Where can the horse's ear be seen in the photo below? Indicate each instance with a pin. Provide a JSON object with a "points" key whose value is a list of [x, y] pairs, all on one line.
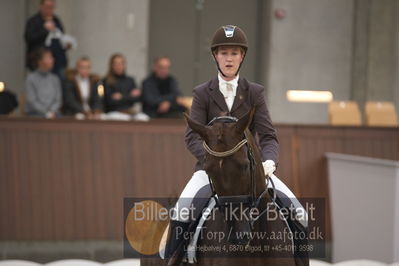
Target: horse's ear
{"points": [[245, 121], [196, 127]]}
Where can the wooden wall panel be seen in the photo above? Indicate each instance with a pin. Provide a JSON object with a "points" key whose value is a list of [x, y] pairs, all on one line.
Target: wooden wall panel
{"points": [[66, 179]]}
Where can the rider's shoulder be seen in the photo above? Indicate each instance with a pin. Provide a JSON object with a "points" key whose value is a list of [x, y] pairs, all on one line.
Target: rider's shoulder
{"points": [[201, 88], [255, 87]]}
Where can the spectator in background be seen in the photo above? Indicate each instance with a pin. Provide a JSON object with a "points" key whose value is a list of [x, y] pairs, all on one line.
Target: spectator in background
{"points": [[80, 91], [43, 88], [8, 100], [121, 92], [160, 92], [45, 30]]}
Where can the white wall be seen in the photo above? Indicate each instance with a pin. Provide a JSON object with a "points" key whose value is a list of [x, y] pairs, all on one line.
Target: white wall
{"points": [[12, 49], [309, 49], [101, 28], [396, 92], [363, 227]]}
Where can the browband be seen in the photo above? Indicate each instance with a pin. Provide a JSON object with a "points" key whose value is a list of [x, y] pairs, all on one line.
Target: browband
{"points": [[223, 119]]}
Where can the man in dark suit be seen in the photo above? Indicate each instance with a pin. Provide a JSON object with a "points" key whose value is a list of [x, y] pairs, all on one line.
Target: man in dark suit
{"points": [[161, 94], [45, 30], [228, 94]]}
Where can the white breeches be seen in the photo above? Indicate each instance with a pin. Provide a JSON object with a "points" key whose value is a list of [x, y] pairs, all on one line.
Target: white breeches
{"points": [[199, 183]]}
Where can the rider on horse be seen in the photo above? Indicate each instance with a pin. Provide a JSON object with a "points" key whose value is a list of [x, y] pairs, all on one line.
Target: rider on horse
{"points": [[228, 94]]}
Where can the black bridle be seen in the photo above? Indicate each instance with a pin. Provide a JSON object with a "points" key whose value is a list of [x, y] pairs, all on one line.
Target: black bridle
{"points": [[249, 199]]}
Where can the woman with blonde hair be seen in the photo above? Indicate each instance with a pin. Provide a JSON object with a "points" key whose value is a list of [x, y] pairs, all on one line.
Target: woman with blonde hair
{"points": [[121, 92], [230, 96]]}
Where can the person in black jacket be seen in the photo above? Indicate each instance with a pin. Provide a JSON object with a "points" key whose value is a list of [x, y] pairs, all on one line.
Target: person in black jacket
{"points": [[8, 100], [80, 93], [121, 92], [38, 32], [161, 94]]}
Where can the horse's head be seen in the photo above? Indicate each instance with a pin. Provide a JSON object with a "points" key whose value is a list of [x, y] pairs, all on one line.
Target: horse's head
{"points": [[229, 174], [227, 163]]}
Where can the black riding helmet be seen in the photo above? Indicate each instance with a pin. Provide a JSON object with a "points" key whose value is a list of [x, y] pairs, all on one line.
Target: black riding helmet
{"points": [[229, 35]]}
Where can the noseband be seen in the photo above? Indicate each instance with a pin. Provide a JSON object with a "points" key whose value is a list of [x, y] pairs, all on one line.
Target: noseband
{"points": [[224, 119], [224, 153]]}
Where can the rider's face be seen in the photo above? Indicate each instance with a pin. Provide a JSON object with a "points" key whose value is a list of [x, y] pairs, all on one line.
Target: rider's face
{"points": [[229, 59]]}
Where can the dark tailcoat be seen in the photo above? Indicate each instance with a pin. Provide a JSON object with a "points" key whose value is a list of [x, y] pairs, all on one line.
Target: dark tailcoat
{"points": [[209, 102]]}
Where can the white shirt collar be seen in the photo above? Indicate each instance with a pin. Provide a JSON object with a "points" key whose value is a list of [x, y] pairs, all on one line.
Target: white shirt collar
{"points": [[80, 79], [233, 82]]}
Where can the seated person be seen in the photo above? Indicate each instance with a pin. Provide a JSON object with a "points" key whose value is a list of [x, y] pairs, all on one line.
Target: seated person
{"points": [[43, 88], [8, 100], [161, 93], [80, 91], [121, 92]]}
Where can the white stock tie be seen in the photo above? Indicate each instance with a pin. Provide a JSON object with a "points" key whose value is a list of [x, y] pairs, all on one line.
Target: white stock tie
{"points": [[229, 89], [229, 97]]}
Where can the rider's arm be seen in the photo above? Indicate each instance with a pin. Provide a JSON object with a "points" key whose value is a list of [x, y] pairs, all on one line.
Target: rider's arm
{"points": [[198, 113], [262, 124]]}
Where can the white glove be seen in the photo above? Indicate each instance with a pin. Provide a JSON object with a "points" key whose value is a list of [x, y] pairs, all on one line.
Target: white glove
{"points": [[269, 167], [68, 39]]}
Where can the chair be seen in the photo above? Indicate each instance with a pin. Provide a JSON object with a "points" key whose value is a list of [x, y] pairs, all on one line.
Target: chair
{"points": [[381, 114], [186, 101], [344, 113]]}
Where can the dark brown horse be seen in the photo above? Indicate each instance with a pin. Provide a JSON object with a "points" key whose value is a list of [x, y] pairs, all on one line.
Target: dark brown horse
{"points": [[253, 235]]}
